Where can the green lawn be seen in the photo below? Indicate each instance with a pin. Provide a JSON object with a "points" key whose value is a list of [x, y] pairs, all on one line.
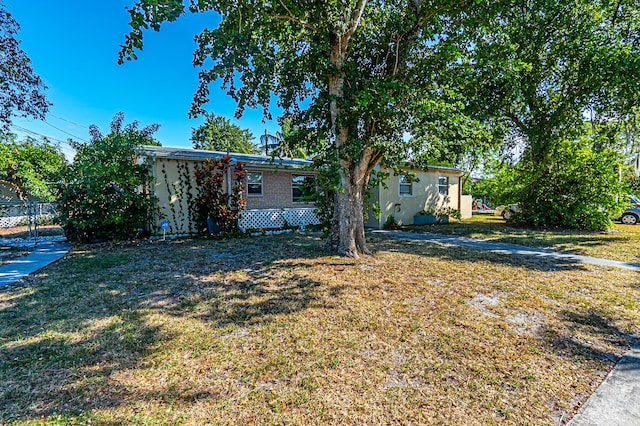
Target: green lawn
{"points": [[620, 243], [271, 330]]}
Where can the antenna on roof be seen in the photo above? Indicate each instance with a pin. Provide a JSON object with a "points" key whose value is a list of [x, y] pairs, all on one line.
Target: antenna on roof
{"points": [[269, 141]]}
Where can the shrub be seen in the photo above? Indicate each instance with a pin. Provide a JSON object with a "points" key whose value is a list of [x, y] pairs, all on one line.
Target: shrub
{"points": [[32, 167], [441, 212], [105, 194], [578, 187], [390, 223]]}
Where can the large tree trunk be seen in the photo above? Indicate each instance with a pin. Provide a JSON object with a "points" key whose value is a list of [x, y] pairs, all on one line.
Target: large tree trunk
{"points": [[346, 235], [349, 209]]}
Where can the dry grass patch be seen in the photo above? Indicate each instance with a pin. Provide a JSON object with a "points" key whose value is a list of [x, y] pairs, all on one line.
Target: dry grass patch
{"points": [[620, 243], [272, 331]]}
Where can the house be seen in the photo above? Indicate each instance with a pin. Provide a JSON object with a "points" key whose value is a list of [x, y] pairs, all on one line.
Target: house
{"points": [[273, 190], [435, 188]]}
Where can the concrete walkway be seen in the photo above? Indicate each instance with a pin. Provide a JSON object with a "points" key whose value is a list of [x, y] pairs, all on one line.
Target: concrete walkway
{"points": [[616, 402], [506, 248], [43, 255]]}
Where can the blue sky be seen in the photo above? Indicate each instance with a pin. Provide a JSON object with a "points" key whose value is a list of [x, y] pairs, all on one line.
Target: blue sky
{"points": [[74, 46]]}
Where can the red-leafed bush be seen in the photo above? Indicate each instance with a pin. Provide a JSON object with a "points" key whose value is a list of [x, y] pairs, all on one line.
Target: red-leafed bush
{"points": [[215, 201]]}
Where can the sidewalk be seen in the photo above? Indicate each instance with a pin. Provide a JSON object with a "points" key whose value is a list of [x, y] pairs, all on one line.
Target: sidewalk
{"points": [[616, 402], [44, 254]]}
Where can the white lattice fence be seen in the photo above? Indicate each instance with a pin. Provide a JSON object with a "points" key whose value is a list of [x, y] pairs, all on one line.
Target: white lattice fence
{"points": [[277, 218]]}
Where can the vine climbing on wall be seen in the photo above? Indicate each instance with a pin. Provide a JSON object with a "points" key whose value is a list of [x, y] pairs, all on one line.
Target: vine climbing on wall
{"points": [[186, 180], [172, 207]]}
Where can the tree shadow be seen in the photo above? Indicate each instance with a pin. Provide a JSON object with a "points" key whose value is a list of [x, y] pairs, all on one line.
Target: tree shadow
{"points": [[529, 237], [91, 315], [579, 332], [455, 253]]}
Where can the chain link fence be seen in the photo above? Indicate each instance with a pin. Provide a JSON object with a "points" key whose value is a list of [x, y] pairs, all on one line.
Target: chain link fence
{"points": [[30, 213]]}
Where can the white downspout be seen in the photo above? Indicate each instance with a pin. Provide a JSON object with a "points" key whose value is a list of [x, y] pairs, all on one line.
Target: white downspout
{"points": [[231, 163]]}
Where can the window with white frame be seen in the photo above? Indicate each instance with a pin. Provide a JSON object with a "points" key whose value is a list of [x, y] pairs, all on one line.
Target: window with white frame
{"points": [[254, 184], [443, 185], [298, 185], [405, 186]]}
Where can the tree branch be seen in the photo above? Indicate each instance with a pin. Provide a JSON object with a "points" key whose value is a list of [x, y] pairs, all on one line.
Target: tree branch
{"points": [[354, 22], [298, 21], [513, 117]]}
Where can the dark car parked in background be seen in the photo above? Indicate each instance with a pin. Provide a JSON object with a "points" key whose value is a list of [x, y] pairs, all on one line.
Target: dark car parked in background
{"points": [[631, 215]]}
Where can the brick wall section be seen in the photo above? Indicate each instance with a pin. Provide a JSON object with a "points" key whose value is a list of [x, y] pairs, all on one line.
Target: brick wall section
{"points": [[276, 191]]}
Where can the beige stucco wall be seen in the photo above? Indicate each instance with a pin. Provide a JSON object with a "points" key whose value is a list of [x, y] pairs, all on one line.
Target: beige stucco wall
{"points": [[425, 195], [175, 186]]}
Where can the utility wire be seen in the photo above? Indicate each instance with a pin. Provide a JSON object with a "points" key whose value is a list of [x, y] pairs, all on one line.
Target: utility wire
{"points": [[63, 131], [68, 121], [32, 133]]}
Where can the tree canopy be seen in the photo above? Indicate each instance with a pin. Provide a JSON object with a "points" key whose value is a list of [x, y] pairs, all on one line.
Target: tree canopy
{"points": [[21, 89], [357, 75], [542, 67], [541, 64], [32, 166], [219, 134], [399, 82]]}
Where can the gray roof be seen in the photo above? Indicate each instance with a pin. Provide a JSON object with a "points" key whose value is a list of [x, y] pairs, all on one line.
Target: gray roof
{"points": [[445, 169], [177, 153]]}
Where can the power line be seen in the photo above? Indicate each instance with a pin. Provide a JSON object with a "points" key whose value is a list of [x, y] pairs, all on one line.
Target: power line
{"points": [[32, 133], [68, 121], [63, 131]]}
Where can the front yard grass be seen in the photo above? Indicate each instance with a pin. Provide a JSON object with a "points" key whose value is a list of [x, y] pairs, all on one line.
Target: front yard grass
{"points": [[271, 330], [620, 243]]}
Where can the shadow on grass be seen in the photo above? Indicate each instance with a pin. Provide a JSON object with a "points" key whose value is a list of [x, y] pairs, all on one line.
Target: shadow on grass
{"points": [[580, 335], [456, 253], [498, 231], [575, 341], [90, 315]]}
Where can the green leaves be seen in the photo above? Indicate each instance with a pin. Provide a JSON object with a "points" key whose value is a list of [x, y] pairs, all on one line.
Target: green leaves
{"points": [[576, 187], [33, 166], [22, 90], [105, 193], [218, 134]]}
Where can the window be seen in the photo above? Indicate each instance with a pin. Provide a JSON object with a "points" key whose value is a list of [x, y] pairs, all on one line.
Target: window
{"points": [[405, 186], [254, 184], [298, 185], [443, 185]]}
